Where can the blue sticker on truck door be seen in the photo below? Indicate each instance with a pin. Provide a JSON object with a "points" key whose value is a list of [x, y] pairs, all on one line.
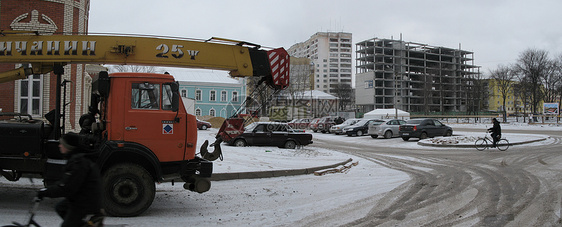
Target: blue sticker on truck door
{"points": [[167, 129]]}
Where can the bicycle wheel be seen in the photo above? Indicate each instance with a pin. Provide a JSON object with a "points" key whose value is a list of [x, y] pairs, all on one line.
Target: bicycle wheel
{"points": [[502, 144], [481, 144]]}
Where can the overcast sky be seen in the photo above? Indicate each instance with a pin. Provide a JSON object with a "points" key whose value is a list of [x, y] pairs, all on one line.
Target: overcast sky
{"points": [[497, 31]]}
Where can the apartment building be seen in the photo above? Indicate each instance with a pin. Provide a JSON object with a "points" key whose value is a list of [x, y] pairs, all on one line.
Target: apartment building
{"points": [[331, 55], [413, 77], [513, 104]]}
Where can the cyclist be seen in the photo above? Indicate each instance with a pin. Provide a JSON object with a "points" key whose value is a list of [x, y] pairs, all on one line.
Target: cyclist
{"points": [[80, 185], [496, 131]]}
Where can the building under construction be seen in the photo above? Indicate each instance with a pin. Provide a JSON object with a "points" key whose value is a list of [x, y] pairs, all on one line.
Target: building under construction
{"points": [[413, 77]]}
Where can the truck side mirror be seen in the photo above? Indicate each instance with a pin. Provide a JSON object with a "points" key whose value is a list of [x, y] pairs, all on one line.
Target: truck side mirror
{"points": [[175, 96]]}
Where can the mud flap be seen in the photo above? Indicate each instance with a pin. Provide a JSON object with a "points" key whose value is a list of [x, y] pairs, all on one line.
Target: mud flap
{"points": [[211, 156]]}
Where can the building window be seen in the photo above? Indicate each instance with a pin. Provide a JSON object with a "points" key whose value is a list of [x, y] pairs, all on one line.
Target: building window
{"points": [[183, 93], [198, 112], [223, 96], [30, 95], [212, 112], [369, 84], [234, 96], [198, 95], [213, 96]]}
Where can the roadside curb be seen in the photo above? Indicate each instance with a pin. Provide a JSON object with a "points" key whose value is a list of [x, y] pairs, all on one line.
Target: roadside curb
{"points": [[472, 145], [272, 173]]}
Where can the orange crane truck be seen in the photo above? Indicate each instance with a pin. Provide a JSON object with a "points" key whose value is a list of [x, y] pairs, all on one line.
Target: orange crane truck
{"points": [[137, 127]]}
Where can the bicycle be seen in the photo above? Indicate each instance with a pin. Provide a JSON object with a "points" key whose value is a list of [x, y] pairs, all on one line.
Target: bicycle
{"points": [[93, 221], [486, 142], [35, 204]]}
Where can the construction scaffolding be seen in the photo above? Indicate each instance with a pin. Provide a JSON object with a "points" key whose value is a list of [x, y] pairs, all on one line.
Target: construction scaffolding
{"points": [[412, 76]]}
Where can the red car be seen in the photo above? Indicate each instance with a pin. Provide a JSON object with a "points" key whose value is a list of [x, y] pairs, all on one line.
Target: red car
{"points": [[203, 125], [301, 124]]}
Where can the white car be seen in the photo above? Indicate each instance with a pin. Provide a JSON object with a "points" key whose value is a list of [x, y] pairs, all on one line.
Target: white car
{"points": [[338, 129], [387, 127]]}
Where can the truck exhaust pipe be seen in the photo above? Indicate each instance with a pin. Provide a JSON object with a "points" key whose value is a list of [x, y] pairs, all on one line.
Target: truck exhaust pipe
{"points": [[211, 156]]}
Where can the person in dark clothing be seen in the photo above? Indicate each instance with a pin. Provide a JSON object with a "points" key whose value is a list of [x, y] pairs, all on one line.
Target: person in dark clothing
{"points": [[496, 131], [339, 120], [80, 185]]}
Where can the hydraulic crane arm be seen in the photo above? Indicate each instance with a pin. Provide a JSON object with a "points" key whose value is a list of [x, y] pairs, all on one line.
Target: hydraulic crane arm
{"points": [[241, 59]]}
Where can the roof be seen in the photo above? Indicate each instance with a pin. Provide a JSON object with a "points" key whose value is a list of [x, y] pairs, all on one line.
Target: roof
{"points": [[314, 94], [202, 76], [387, 112]]}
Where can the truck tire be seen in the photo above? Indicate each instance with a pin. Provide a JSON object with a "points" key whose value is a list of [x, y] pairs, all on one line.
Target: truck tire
{"points": [[128, 190]]}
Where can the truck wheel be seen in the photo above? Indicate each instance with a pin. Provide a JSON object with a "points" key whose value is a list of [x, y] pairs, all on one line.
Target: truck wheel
{"points": [[128, 190]]}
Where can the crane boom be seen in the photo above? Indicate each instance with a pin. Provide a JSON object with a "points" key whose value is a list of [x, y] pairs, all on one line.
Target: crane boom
{"points": [[45, 51]]}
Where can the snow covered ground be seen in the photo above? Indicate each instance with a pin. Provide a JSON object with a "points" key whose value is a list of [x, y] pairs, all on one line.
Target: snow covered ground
{"points": [[261, 202]]}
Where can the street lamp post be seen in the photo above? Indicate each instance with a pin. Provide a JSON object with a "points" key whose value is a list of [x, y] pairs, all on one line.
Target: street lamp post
{"points": [[395, 97]]}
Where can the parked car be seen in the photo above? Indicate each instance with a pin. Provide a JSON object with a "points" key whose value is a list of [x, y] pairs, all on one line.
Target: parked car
{"points": [[323, 124], [424, 128], [299, 123], [338, 129], [360, 128], [387, 128], [203, 125], [271, 134], [313, 125]]}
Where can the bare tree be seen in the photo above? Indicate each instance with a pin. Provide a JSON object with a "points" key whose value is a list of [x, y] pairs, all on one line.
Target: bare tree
{"points": [[553, 79], [533, 66], [134, 68], [300, 81], [477, 92], [503, 77], [522, 91], [344, 93]]}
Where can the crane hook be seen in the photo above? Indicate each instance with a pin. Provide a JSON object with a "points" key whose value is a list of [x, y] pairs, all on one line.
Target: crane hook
{"points": [[211, 156]]}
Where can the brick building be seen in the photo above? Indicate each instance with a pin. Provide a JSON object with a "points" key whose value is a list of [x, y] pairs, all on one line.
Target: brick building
{"points": [[36, 95]]}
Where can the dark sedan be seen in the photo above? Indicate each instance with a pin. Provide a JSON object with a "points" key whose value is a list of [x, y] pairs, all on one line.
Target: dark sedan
{"points": [[271, 134], [360, 128], [424, 128]]}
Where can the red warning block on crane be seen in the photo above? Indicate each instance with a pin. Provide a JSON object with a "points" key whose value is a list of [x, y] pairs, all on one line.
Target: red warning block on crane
{"points": [[279, 62]]}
